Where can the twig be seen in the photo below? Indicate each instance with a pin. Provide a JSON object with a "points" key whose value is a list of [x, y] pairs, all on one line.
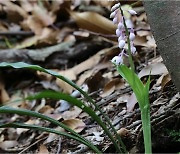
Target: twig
{"points": [[22, 33]]}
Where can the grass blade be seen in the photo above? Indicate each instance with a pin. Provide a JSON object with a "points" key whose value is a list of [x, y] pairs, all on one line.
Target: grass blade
{"points": [[50, 130], [6, 109], [53, 73], [76, 102]]}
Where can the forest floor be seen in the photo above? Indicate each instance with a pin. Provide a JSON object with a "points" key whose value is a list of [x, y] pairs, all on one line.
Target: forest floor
{"points": [[77, 39]]}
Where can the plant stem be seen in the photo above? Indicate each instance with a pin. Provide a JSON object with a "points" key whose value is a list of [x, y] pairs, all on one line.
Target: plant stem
{"points": [[128, 41], [146, 125]]}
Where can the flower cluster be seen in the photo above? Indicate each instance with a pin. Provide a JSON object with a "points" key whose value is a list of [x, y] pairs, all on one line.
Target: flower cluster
{"points": [[121, 33]]}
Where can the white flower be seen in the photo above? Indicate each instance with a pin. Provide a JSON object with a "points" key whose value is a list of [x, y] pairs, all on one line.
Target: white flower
{"points": [[113, 14], [117, 60], [131, 36], [132, 12], [120, 25], [121, 44], [129, 24], [115, 7], [118, 32], [133, 49], [115, 20], [120, 38]]}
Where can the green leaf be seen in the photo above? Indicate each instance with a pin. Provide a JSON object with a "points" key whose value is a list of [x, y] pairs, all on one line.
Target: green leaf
{"points": [[73, 101], [134, 81], [50, 130], [53, 73]]}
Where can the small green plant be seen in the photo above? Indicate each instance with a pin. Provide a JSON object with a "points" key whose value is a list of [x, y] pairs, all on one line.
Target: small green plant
{"points": [[174, 134], [125, 33], [106, 124]]}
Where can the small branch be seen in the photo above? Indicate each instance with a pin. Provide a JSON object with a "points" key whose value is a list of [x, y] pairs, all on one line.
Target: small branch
{"points": [[22, 33]]}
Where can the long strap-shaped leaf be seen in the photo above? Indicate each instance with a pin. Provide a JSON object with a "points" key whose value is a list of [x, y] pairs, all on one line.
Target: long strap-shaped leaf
{"points": [[73, 101], [142, 94], [7, 109], [50, 130], [36, 67]]}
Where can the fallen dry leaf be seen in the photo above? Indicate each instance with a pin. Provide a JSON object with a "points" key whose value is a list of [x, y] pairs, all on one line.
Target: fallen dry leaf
{"points": [[75, 124], [27, 42], [71, 114], [43, 149], [166, 79], [53, 136], [33, 24], [21, 130], [93, 22], [131, 102], [123, 132], [13, 7], [140, 41], [142, 33], [46, 17], [95, 81], [153, 69], [8, 144], [111, 86], [4, 97], [47, 35], [70, 74], [76, 70], [26, 5]]}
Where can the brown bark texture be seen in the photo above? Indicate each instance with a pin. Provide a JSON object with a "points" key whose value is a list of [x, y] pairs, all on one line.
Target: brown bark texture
{"points": [[164, 19]]}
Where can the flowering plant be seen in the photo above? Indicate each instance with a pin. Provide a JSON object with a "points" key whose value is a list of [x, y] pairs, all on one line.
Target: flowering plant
{"points": [[125, 33]]}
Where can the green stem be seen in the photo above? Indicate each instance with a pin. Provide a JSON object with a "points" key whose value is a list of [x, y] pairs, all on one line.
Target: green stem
{"points": [[146, 125], [129, 47], [128, 41]]}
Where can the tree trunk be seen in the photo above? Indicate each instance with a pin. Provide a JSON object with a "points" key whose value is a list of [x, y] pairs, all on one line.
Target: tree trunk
{"points": [[164, 19]]}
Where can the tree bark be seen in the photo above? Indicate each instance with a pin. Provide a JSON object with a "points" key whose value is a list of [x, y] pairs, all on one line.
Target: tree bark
{"points": [[164, 19]]}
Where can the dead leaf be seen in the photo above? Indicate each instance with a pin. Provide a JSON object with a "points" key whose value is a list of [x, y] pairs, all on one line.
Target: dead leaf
{"points": [[8, 144], [142, 33], [111, 86], [47, 109], [44, 76], [123, 132], [71, 114], [95, 81], [131, 102], [70, 74], [27, 42], [166, 79], [43, 149], [153, 69], [104, 3], [46, 17], [47, 35], [13, 7], [53, 136], [34, 24], [93, 22], [26, 5], [4, 97], [151, 42], [76, 70], [21, 130], [140, 41], [75, 124]]}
